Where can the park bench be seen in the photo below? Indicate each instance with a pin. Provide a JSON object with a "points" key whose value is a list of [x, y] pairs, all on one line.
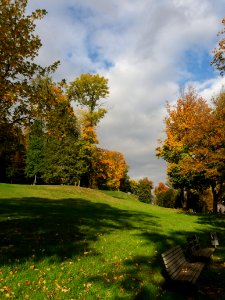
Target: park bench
{"points": [[195, 249], [178, 268]]}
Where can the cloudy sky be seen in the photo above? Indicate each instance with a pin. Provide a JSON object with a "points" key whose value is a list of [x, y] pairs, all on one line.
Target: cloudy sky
{"points": [[149, 50]]}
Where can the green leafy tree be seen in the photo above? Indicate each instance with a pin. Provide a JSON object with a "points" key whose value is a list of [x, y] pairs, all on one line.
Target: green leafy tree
{"points": [[144, 190], [88, 91], [35, 152], [60, 147]]}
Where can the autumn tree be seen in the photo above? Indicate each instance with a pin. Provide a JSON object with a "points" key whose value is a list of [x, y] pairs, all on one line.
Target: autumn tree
{"points": [[18, 48], [166, 195], [161, 188], [190, 134], [88, 91], [111, 169], [219, 52]]}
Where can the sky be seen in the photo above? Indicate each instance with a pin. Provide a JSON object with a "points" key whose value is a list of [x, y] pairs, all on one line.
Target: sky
{"points": [[149, 50]]}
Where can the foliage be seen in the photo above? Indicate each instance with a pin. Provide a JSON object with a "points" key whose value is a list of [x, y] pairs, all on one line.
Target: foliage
{"points": [[56, 147], [12, 152], [88, 90], [19, 46], [125, 185], [134, 186], [111, 169], [161, 188], [144, 190], [167, 198], [218, 53], [53, 152], [194, 143], [35, 152]]}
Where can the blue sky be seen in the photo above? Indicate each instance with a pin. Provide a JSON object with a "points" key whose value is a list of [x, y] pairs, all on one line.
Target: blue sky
{"points": [[148, 49]]}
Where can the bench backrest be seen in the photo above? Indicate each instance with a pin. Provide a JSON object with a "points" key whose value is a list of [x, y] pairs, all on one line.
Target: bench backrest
{"points": [[173, 259]]}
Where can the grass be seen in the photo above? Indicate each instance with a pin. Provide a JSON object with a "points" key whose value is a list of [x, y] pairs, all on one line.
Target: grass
{"points": [[60, 242]]}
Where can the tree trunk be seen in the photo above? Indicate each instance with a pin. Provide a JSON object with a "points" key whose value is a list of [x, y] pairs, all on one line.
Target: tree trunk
{"points": [[35, 180], [215, 197], [185, 200]]}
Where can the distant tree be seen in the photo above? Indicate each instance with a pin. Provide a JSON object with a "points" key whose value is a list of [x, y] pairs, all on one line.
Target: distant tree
{"points": [[111, 169], [125, 185], [88, 91], [134, 186], [161, 188], [144, 190], [166, 195]]}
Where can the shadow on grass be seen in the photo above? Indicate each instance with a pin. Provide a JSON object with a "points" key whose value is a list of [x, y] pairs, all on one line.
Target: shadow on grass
{"points": [[61, 228], [140, 272]]}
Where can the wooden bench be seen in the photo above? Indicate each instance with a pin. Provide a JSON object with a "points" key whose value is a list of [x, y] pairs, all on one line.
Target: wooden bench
{"points": [[196, 250], [178, 268]]}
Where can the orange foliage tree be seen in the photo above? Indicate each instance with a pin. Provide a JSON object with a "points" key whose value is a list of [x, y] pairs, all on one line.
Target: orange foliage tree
{"points": [[111, 169], [161, 188], [193, 146]]}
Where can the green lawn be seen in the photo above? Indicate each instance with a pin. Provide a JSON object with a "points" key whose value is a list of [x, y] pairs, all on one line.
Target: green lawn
{"points": [[60, 242]]}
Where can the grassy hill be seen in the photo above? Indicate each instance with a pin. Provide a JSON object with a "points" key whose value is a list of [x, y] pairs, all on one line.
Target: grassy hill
{"points": [[60, 242]]}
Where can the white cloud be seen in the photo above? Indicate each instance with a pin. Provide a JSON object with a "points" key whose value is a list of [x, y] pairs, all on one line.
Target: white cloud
{"points": [[140, 46]]}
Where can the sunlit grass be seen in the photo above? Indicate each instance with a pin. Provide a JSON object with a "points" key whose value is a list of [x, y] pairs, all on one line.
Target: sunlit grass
{"points": [[60, 242]]}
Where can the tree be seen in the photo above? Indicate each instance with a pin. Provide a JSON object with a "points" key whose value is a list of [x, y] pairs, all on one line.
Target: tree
{"points": [[219, 52], [125, 185], [18, 48], [35, 152], [54, 151], [144, 190], [88, 90], [111, 168], [191, 144], [166, 196], [161, 188]]}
